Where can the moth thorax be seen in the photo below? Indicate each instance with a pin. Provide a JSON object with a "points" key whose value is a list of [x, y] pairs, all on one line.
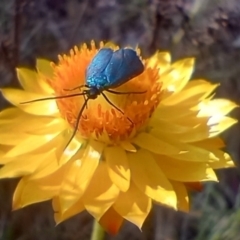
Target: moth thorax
{"points": [[93, 93]]}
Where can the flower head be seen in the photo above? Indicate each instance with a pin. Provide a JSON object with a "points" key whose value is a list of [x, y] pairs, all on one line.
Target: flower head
{"points": [[113, 168]]}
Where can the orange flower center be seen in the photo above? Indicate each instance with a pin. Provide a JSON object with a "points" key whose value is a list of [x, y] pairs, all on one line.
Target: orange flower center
{"points": [[99, 119]]}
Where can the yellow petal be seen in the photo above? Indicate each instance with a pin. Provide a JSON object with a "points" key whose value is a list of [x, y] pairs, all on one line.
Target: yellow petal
{"points": [[171, 113], [10, 138], [133, 205], [55, 125], [79, 175], [59, 216], [17, 97], [224, 124], [160, 59], [29, 192], [10, 113], [150, 179], [46, 167], [20, 166], [194, 134], [29, 144], [32, 191], [16, 203], [49, 168], [188, 152], [63, 153], [111, 45], [216, 107], [202, 86], [44, 66], [45, 72], [101, 193], [211, 175], [118, 169], [155, 145], [53, 148], [127, 146], [190, 96], [168, 127], [175, 79], [211, 143], [182, 196], [26, 123], [29, 80], [225, 161], [2, 153], [184, 171], [111, 221]]}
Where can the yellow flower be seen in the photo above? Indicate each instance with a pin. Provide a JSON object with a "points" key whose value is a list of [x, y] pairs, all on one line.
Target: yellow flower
{"points": [[112, 168]]}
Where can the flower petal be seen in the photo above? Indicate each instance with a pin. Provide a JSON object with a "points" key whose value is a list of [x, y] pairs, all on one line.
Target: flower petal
{"points": [[193, 134], [182, 196], [101, 193], [63, 153], [202, 86], [29, 192], [111, 221], [36, 125], [79, 175], [190, 96], [29, 144], [127, 146], [133, 205], [223, 124], [173, 113], [216, 107], [194, 186], [178, 75], [150, 179], [10, 138], [225, 161], [160, 59], [32, 191], [118, 169], [28, 80], [44, 67], [184, 171], [155, 145], [18, 97], [59, 216], [20, 166], [211, 143], [188, 152]]}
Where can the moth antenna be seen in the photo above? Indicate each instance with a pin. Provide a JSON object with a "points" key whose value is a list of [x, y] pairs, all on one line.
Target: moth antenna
{"points": [[52, 98]]}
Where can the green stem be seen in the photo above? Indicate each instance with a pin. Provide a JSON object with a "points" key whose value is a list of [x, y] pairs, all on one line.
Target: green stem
{"points": [[97, 231]]}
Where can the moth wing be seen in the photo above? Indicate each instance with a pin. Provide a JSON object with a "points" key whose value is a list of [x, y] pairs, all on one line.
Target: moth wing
{"points": [[123, 66], [96, 69]]}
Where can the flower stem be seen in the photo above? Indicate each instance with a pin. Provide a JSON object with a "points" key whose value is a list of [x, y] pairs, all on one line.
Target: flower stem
{"points": [[97, 231]]}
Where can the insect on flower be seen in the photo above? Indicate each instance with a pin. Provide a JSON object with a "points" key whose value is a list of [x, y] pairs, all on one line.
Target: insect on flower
{"points": [[108, 70]]}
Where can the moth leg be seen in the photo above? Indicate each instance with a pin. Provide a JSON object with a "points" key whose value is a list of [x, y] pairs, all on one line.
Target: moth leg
{"points": [[119, 93], [85, 100], [77, 122], [78, 87], [113, 105]]}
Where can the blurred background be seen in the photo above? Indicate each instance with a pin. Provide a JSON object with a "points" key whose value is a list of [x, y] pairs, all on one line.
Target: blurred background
{"points": [[208, 30]]}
